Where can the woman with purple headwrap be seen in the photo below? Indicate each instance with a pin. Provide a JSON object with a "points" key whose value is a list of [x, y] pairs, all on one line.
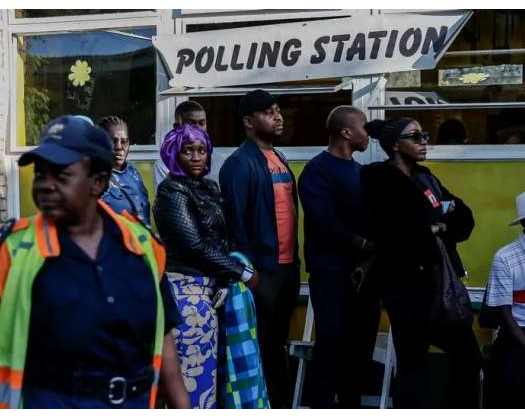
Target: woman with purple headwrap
{"points": [[189, 216]]}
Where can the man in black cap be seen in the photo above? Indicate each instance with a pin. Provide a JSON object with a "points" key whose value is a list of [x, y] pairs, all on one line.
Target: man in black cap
{"points": [[261, 209], [85, 314]]}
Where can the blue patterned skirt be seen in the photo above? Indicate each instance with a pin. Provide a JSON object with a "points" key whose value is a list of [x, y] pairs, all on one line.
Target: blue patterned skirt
{"points": [[196, 337]]}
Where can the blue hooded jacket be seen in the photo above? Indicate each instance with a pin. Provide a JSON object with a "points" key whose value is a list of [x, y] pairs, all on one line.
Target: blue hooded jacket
{"points": [[127, 192]]}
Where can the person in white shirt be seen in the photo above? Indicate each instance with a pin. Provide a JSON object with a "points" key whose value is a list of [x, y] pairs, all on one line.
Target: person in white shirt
{"points": [[188, 111], [505, 299]]}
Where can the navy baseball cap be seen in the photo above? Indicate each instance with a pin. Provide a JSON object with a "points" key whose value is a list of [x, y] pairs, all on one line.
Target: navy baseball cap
{"points": [[68, 139], [256, 101]]}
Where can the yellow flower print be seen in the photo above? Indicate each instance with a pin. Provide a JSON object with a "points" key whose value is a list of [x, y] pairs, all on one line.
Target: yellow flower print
{"points": [[473, 78], [80, 73]]}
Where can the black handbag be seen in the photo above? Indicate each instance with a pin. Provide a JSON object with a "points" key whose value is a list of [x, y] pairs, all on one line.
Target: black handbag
{"points": [[451, 304]]}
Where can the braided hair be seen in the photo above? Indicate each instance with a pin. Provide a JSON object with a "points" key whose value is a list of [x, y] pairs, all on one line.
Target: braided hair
{"points": [[107, 122]]}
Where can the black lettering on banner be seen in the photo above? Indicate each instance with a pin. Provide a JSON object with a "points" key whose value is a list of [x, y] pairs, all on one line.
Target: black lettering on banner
{"points": [[288, 57], [268, 52], [219, 66], [203, 66], [391, 44], [251, 56], [340, 39], [394, 101], [321, 53], [377, 35], [416, 42], [358, 47], [186, 57], [411, 100], [235, 56], [436, 40]]}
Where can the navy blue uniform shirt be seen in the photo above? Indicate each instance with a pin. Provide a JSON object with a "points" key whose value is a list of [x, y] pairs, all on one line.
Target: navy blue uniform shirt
{"points": [[127, 192], [95, 315], [330, 193]]}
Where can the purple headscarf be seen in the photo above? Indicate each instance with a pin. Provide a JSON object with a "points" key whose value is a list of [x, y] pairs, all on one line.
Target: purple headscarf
{"points": [[176, 139]]}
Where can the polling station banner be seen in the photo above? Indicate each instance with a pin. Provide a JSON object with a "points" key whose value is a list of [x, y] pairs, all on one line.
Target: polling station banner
{"points": [[351, 46]]}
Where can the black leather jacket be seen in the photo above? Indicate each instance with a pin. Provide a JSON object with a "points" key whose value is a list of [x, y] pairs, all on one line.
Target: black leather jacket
{"points": [[190, 219]]}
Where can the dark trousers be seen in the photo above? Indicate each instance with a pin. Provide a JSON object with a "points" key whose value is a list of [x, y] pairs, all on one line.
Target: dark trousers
{"points": [[506, 374], [275, 300], [413, 334], [345, 333]]}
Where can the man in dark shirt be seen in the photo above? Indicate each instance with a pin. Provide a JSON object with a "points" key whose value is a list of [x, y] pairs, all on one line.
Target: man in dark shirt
{"points": [[346, 315], [85, 312]]}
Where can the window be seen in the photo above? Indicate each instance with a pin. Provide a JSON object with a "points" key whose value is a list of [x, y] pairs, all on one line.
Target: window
{"points": [[484, 65], [94, 73], [304, 118]]}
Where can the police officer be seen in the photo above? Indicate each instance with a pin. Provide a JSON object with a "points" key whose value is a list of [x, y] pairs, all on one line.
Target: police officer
{"points": [[85, 314], [126, 191]]}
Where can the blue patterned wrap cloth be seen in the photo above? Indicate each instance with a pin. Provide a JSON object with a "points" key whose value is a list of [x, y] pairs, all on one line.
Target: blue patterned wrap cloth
{"points": [[241, 383]]}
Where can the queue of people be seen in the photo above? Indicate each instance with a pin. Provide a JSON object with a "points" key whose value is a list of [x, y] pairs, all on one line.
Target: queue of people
{"points": [[90, 296]]}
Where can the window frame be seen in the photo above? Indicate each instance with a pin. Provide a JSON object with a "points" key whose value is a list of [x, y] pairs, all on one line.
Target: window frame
{"points": [[162, 22], [13, 20], [474, 152], [297, 153]]}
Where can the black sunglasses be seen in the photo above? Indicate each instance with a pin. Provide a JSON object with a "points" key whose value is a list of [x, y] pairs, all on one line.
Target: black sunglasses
{"points": [[418, 137]]}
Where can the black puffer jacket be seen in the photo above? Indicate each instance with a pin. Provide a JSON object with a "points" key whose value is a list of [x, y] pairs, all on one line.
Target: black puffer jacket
{"points": [[190, 219]]}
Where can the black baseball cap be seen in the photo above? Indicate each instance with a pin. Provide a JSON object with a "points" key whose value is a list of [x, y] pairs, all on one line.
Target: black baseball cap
{"points": [[68, 139], [256, 101]]}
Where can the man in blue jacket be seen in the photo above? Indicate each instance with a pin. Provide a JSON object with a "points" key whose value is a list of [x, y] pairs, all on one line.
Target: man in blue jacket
{"points": [[261, 210]]}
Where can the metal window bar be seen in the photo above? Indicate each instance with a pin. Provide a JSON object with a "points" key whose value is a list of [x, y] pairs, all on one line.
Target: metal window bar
{"points": [[237, 91], [516, 51], [450, 106]]}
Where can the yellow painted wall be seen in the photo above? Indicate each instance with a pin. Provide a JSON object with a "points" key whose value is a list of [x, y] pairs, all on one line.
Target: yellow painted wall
{"points": [[489, 188]]}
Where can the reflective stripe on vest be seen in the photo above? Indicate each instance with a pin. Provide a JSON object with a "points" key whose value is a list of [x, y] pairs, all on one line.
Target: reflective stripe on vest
{"points": [[28, 249]]}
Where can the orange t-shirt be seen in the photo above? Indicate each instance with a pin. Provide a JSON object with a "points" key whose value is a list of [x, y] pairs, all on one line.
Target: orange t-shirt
{"points": [[285, 213]]}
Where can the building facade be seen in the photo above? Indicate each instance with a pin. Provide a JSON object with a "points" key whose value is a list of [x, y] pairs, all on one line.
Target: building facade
{"points": [[100, 62]]}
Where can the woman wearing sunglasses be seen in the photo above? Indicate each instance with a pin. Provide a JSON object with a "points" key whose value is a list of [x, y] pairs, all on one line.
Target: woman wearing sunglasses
{"points": [[409, 208]]}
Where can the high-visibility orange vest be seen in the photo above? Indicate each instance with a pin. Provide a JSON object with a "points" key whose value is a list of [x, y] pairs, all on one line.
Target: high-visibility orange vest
{"points": [[22, 255]]}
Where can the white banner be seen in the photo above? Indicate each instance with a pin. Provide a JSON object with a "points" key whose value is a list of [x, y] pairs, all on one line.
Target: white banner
{"points": [[354, 46], [412, 98]]}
